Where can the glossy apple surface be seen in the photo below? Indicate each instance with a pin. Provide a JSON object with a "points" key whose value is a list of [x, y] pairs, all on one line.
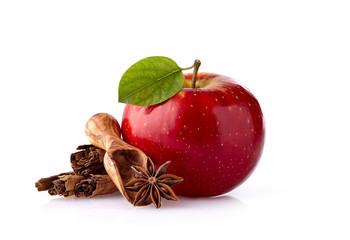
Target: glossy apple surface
{"points": [[212, 134]]}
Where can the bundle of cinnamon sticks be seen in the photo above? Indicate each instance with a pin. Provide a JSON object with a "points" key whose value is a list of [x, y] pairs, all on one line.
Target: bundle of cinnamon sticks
{"points": [[88, 178]]}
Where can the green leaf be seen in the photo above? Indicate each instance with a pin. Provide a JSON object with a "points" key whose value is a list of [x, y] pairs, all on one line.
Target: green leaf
{"points": [[150, 81]]}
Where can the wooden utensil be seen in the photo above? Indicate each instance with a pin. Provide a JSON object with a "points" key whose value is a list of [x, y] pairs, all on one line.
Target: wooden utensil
{"points": [[103, 131]]}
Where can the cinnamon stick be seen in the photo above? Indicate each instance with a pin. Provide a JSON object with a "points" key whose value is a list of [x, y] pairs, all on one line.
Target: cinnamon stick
{"points": [[47, 183], [95, 185], [88, 178], [65, 185], [88, 160], [71, 184]]}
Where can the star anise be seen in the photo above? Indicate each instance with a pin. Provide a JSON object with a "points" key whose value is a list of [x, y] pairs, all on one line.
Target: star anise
{"points": [[151, 184]]}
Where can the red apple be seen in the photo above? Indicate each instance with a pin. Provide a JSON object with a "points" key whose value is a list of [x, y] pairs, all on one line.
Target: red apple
{"points": [[212, 134]]}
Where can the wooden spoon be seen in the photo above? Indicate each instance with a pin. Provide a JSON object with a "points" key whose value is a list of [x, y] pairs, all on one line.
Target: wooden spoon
{"points": [[103, 131]]}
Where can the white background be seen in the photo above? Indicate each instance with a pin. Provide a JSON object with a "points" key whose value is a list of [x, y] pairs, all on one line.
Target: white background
{"points": [[61, 61]]}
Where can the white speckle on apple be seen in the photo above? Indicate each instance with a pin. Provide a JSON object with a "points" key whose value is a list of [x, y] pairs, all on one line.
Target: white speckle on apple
{"points": [[173, 109], [191, 105], [216, 99], [222, 97], [248, 121], [229, 134], [198, 129], [252, 130], [230, 108], [237, 97], [144, 124], [167, 132], [180, 133], [235, 145], [195, 94], [222, 144], [179, 117], [217, 123], [240, 109], [248, 156], [206, 107], [236, 133]]}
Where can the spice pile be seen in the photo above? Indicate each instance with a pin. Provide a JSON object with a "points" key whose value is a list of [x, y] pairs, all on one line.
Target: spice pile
{"points": [[88, 178], [110, 165]]}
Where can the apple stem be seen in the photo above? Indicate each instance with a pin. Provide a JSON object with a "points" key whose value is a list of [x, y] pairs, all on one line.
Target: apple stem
{"points": [[196, 66]]}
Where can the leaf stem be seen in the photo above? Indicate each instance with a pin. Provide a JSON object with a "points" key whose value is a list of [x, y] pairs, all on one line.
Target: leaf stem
{"points": [[196, 66], [188, 68]]}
